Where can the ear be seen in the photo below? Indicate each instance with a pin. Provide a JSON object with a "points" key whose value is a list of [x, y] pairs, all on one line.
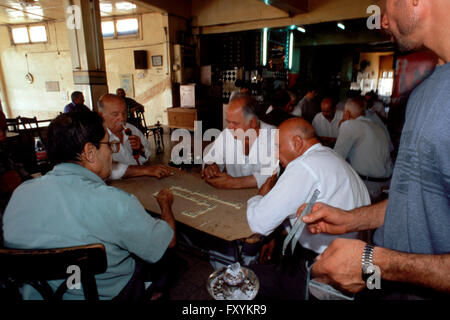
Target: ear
{"points": [[89, 153], [297, 143]]}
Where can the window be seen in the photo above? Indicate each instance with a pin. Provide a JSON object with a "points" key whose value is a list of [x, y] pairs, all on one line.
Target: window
{"points": [[118, 28], [29, 34]]}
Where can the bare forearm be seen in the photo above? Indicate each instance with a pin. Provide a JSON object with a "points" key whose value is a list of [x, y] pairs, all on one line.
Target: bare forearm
{"points": [[431, 271], [136, 171], [243, 183], [369, 217], [167, 216]]}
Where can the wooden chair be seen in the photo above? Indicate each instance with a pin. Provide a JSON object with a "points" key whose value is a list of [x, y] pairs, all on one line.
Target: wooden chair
{"points": [[12, 124], [157, 131], [37, 266]]}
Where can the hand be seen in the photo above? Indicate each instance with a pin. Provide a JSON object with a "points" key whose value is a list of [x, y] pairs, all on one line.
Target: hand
{"points": [[268, 185], [135, 142], [211, 171], [221, 181], [267, 251], [326, 219], [340, 265], [165, 198], [158, 171]]}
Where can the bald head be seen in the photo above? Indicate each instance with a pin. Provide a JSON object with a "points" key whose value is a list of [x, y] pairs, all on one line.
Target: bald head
{"points": [[328, 108], [295, 137], [113, 110]]}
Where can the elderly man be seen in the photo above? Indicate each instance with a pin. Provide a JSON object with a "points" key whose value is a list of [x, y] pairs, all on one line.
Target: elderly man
{"points": [[365, 145], [134, 148], [326, 123], [77, 103], [72, 206], [412, 251], [308, 166], [245, 149]]}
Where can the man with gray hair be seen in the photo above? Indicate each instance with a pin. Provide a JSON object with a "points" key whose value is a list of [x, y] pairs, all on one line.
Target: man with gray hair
{"points": [[365, 145], [245, 149]]}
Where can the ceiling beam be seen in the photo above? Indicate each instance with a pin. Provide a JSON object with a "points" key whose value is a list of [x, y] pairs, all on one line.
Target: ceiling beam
{"points": [[292, 7]]}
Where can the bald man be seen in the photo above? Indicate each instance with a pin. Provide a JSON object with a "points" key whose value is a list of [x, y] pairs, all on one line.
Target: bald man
{"points": [[134, 148], [308, 166], [243, 155], [326, 123], [365, 145]]}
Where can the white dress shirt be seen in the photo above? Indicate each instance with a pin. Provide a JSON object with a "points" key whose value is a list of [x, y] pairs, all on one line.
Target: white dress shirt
{"points": [[375, 118], [364, 144], [228, 152], [324, 128], [124, 158], [318, 168]]}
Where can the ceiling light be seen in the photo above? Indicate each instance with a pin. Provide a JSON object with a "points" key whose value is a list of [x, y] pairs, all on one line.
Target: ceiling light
{"points": [[301, 29], [341, 25]]}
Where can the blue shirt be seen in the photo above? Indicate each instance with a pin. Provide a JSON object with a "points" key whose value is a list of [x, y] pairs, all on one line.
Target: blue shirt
{"points": [[72, 107], [72, 206], [418, 213]]}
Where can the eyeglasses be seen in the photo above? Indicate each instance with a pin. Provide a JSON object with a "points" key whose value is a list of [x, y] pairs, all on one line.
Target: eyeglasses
{"points": [[113, 145]]}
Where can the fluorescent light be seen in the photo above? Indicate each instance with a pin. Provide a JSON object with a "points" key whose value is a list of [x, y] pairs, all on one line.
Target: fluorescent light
{"points": [[264, 47], [301, 29], [341, 25], [293, 27], [291, 46]]}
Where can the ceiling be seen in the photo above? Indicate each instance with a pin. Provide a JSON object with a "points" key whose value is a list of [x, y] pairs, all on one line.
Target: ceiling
{"points": [[31, 11]]}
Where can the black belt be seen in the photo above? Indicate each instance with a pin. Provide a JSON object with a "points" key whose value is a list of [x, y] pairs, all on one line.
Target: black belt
{"points": [[374, 179]]}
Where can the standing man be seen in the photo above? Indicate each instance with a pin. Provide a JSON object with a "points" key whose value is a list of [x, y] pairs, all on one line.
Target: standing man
{"points": [[326, 123], [364, 144], [72, 206], [412, 247], [134, 148], [245, 149], [308, 107], [77, 103]]}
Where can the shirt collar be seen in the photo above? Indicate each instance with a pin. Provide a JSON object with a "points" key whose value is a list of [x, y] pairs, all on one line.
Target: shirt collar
{"points": [[68, 168]]}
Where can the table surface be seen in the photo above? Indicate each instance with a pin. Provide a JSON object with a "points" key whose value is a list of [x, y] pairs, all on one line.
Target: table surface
{"points": [[226, 217]]}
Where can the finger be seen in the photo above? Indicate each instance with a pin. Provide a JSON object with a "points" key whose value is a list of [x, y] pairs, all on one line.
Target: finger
{"points": [[300, 209], [318, 212]]}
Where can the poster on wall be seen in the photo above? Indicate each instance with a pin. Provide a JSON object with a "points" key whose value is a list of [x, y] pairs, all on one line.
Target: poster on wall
{"points": [[126, 83]]}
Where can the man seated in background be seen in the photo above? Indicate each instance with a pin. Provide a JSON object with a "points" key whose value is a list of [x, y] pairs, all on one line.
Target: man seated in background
{"points": [[364, 144], [241, 89], [132, 106], [309, 166], [77, 103], [375, 105], [282, 105], [134, 148], [239, 151], [308, 107], [72, 206], [326, 123]]}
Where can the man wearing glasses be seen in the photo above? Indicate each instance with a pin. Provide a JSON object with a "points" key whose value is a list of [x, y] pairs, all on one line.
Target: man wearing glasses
{"points": [[72, 206]]}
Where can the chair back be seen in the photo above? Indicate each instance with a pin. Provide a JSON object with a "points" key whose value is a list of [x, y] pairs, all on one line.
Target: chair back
{"points": [[38, 266], [141, 123], [12, 124]]}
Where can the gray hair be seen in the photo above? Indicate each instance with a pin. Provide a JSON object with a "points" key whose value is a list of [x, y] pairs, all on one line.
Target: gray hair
{"points": [[249, 107], [356, 106]]}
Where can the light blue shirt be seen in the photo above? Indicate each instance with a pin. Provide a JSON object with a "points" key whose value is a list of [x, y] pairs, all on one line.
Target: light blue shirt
{"points": [[72, 206]]}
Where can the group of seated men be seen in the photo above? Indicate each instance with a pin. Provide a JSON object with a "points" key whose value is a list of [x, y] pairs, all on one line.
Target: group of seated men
{"points": [[87, 148]]}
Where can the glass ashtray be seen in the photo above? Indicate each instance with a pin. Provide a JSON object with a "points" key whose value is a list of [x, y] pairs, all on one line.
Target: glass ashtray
{"points": [[219, 289]]}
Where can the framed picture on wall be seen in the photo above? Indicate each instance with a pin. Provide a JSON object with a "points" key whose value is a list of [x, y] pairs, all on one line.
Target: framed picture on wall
{"points": [[157, 61], [126, 83]]}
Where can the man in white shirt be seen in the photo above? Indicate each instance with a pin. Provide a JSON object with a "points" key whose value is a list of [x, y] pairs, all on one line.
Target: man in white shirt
{"points": [[309, 166], [134, 148], [308, 107], [364, 144], [245, 149], [326, 123]]}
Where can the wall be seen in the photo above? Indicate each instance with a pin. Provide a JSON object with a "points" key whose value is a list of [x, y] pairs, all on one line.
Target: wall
{"points": [[220, 16], [51, 62]]}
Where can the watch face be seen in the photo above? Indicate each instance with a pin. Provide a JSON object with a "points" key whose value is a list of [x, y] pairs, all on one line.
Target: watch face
{"points": [[368, 270]]}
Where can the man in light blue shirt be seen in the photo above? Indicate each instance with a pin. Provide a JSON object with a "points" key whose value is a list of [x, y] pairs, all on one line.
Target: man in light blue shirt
{"points": [[71, 206]]}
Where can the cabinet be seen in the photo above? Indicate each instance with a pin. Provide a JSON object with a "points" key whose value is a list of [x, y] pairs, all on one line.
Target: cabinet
{"points": [[182, 118]]}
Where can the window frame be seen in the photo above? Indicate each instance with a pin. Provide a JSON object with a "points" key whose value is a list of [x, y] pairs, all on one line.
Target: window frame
{"points": [[116, 36], [28, 26]]}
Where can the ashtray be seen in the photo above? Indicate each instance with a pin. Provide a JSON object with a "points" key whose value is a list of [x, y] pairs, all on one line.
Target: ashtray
{"points": [[243, 286]]}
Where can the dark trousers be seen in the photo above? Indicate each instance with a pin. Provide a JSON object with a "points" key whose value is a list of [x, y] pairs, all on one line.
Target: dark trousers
{"points": [[285, 280], [161, 274]]}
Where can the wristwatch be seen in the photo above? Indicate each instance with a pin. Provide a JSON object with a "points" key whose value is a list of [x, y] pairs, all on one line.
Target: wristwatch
{"points": [[367, 262]]}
